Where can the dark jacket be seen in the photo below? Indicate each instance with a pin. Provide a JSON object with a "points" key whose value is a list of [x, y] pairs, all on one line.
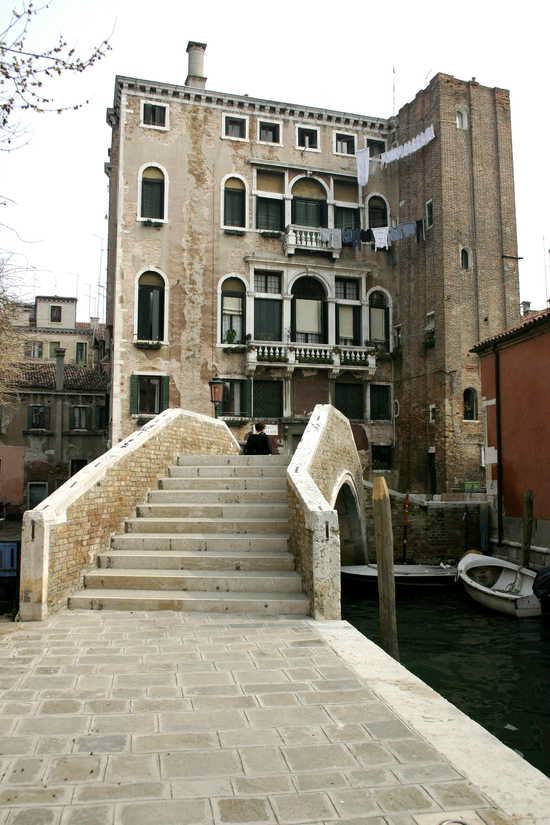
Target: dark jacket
{"points": [[257, 444]]}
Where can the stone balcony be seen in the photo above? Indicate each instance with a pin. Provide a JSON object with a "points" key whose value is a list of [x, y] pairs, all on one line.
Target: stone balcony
{"points": [[310, 239], [323, 356]]}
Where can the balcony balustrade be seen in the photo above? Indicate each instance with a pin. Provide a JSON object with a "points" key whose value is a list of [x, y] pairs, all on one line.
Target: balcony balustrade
{"points": [[320, 355], [311, 239]]}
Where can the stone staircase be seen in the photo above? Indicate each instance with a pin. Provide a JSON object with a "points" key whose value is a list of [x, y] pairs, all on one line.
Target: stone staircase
{"points": [[212, 537]]}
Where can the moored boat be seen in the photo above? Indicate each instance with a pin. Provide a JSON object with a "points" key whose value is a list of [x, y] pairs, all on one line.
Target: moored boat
{"points": [[499, 585], [417, 575]]}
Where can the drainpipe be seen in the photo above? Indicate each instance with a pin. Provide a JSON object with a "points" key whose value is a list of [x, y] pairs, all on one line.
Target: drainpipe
{"points": [[59, 382], [500, 472]]}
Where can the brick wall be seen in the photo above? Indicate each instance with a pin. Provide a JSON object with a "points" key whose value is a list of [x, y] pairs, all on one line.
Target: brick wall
{"points": [[62, 536], [438, 530]]}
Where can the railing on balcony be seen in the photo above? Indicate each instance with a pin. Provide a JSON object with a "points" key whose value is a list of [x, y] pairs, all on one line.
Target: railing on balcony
{"points": [[315, 354], [312, 239]]}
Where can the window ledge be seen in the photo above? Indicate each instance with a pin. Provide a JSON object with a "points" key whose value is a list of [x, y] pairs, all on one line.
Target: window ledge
{"points": [[233, 347], [149, 344], [155, 223], [234, 230], [270, 233], [37, 431]]}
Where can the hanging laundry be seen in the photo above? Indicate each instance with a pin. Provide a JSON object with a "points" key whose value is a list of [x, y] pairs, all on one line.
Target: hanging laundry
{"points": [[362, 158], [325, 235], [356, 237], [408, 148], [395, 233], [336, 235], [408, 229], [347, 237], [380, 235], [366, 236]]}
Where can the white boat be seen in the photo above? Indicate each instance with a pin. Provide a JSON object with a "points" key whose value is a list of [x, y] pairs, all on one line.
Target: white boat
{"points": [[499, 585], [426, 575]]}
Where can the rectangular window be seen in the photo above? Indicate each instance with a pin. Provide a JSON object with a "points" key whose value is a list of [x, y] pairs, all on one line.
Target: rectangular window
{"points": [[346, 218], [55, 313], [267, 319], [37, 491], [235, 127], [382, 456], [309, 212], [347, 289], [149, 394], [378, 324], [344, 144], [232, 319], [349, 399], [52, 346], [429, 214], [150, 312], [36, 349], [152, 198], [309, 316], [154, 115], [269, 132], [100, 418], [380, 402], [233, 401], [81, 352], [267, 282], [270, 214], [267, 399], [234, 213], [377, 147], [348, 325], [38, 417], [307, 138], [80, 418]]}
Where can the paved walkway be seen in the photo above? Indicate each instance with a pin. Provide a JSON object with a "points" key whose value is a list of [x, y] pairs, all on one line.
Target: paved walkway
{"points": [[174, 719]]}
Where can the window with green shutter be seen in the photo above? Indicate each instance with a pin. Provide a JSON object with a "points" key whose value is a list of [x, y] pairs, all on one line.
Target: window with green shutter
{"points": [[346, 218], [349, 399], [268, 319], [234, 203], [150, 324], [309, 212], [267, 399], [270, 214], [152, 194], [380, 402], [149, 394]]}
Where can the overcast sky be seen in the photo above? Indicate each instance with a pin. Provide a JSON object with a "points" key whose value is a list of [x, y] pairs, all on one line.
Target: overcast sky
{"points": [[54, 191]]}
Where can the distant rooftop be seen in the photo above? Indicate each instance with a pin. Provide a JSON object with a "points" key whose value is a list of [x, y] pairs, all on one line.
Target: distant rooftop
{"points": [[79, 379], [529, 322]]}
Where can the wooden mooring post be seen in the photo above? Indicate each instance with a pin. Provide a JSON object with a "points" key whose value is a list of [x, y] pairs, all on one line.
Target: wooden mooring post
{"points": [[383, 536]]}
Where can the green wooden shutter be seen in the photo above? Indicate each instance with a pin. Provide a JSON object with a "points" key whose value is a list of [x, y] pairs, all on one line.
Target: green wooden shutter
{"points": [[267, 319], [152, 199], [164, 393], [134, 394], [246, 398], [357, 326]]}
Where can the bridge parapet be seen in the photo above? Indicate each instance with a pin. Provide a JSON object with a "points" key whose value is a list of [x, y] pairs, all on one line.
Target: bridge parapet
{"points": [[64, 533], [325, 465]]}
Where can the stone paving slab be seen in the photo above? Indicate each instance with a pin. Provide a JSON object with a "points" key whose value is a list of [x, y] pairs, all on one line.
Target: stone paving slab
{"points": [[167, 718]]}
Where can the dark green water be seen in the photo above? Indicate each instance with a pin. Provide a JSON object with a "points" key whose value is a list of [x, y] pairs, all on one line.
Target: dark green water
{"points": [[496, 669]]}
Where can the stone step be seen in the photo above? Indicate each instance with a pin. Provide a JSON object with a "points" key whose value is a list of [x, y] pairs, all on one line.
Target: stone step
{"points": [[215, 511], [205, 525], [195, 560], [243, 543], [217, 496], [228, 471], [252, 603], [232, 460], [213, 581], [274, 483]]}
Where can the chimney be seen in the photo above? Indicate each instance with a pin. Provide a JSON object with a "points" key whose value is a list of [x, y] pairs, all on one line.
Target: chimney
{"points": [[59, 368], [525, 307], [195, 70]]}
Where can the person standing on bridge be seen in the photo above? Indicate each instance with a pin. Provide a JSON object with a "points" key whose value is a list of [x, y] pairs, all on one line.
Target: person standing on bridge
{"points": [[257, 442]]}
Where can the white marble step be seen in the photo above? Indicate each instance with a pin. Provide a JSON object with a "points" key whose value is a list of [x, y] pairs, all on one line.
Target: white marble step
{"points": [[219, 581], [253, 603], [196, 560]]}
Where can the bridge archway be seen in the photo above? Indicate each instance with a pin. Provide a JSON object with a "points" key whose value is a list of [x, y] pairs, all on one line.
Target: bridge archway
{"points": [[351, 523]]}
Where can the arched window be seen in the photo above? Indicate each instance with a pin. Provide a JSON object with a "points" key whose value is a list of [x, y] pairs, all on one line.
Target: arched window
{"points": [[464, 259], [378, 212], [461, 119], [470, 404], [150, 314], [233, 306], [308, 312], [234, 203], [152, 193], [309, 203], [379, 319]]}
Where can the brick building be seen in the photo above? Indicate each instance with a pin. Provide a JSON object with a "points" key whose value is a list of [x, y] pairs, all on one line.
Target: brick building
{"points": [[516, 398], [241, 245]]}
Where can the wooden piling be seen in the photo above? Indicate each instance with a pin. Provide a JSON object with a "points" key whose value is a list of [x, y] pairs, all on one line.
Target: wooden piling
{"points": [[383, 536], [527, 528]]}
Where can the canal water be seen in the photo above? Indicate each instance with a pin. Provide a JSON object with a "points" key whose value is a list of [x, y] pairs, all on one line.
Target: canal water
{"points": [[496, 669]]}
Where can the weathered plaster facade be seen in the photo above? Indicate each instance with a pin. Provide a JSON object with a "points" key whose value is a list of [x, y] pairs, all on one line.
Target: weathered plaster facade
{"points": [[458, 282]]}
